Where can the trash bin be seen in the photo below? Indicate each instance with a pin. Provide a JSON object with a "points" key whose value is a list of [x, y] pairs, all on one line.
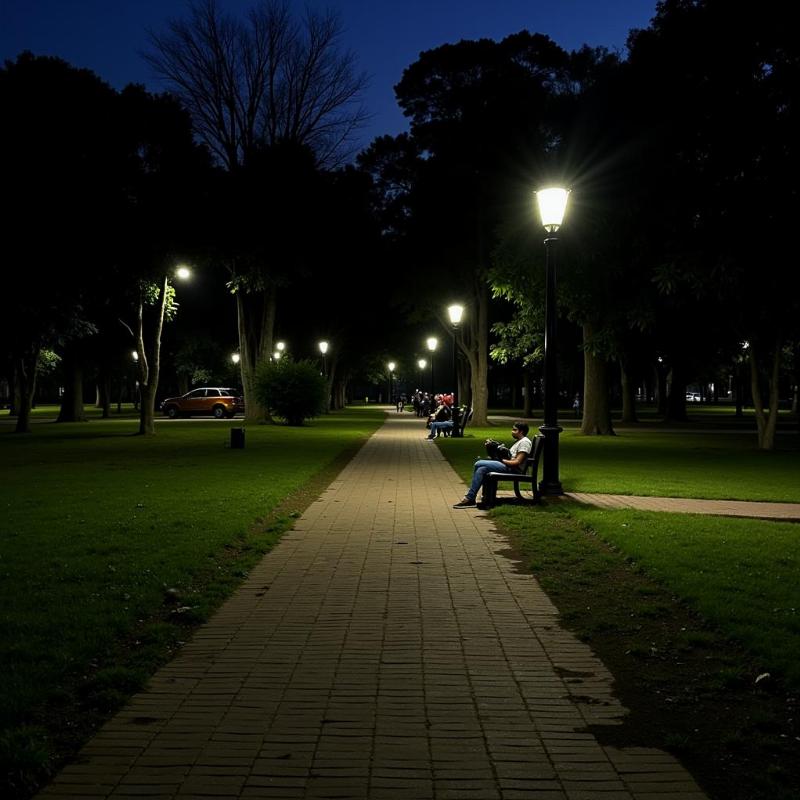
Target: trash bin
{"points": [[237, 438]]}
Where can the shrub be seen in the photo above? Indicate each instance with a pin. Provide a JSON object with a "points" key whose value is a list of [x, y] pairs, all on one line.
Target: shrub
{"points": [[293, 390]]}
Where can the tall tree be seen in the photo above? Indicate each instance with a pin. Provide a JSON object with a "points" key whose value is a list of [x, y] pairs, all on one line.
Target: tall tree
{"points": [[168, 191], [62, 164], [256, 86], [480, 111], [709, 69]]}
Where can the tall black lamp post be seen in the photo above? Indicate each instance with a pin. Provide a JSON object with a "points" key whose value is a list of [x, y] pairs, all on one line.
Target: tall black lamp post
{"points": [[432, 343], [455, 312], [391, 366], [323, 349], [552, 204]]}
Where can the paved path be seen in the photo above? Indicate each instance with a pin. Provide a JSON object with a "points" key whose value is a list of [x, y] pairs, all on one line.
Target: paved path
{"points": [[729, 508], [388, 647]]}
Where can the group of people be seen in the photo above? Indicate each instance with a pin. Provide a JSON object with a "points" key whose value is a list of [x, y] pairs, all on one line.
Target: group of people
{"points": [[438, 410], [440, 420], [425, 404]]}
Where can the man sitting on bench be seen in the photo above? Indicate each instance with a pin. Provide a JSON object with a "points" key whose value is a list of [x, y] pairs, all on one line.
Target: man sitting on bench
{"points": [[519, 451]]}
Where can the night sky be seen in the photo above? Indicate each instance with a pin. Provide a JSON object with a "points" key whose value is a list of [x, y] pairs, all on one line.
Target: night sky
{"points": [[107, 36]]}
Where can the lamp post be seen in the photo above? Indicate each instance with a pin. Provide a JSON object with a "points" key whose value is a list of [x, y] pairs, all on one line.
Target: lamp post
{"points": [[455, 313], [552, 204], [323, 348], [421, 363], [135, 391], [149, 361], [391, 366], [432, 343]]}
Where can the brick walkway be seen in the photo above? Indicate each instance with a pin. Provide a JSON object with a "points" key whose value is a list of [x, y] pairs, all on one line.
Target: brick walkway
{"points": [[386, 648], [789, 512]]}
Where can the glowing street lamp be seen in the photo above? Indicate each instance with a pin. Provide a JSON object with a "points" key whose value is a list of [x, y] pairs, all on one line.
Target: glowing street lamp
{"points": [[455, 312], [391, 365], [235, 358], [183, 272], [552, 203], [432, 342], [323, 348]]}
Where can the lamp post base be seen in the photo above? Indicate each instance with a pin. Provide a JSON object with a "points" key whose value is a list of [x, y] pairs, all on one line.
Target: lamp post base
{"points": [[550, 483]]}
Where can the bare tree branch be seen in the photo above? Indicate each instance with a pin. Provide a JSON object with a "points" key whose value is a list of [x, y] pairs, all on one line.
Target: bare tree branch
{"points": [[262, 81]]}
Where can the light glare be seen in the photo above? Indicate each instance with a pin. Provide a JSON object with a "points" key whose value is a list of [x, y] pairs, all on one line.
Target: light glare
{"points": [[552, 206], [455, 312]]}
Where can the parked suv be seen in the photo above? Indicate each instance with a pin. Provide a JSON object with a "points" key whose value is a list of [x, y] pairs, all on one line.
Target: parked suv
{"points": [[208, 400]]}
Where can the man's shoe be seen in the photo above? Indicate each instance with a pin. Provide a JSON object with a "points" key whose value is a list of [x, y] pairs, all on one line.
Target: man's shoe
{"points": [[465, 503]]}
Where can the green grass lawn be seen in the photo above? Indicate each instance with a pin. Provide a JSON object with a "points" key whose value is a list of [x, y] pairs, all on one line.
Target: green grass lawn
{"points": [[742, 575], [105, 536], [660, 464], [688, 613], [111, 545]]}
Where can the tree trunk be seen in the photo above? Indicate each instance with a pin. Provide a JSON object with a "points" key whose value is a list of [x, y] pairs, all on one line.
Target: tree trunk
{"points": [[25, 382], [628, 395], [475, 346], [72, 400], [104, 391], [738, 387], [676, 396], [527, 411], [661, 390], [13, 389], [148, 373], [766, 420], [256, 315], [339, 393], [596, 405]]}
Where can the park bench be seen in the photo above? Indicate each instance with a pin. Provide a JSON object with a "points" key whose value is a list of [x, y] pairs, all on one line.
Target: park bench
{"points": [[461, 418], [527, 476]]}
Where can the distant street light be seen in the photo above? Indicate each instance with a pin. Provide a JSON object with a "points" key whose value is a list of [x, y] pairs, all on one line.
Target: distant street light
{"points": [[323, 348], [391, 365], [432, 343], [552, 204], [183, 272], [455, 312], [236, 358], [280, 346]]}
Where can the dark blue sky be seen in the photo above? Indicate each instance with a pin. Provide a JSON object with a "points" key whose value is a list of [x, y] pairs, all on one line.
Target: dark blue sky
{"points": [[107, 36]]}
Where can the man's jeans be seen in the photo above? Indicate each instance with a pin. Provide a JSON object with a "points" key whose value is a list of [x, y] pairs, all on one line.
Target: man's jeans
{"points": [[482, 468], [440, 427]]}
